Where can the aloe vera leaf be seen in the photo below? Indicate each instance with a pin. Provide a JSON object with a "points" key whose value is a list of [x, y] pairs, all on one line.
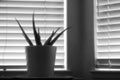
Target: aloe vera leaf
{"points": [[37, 40], [54, 40], [57, 30], [51, 36], [39, 37], [49, 39], [24, 34]]}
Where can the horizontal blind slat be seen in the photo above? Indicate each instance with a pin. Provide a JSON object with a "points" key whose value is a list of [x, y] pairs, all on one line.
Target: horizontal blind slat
{"points": [[36, 0], [16, 29], [37, 15], [12, 62], [22, 55]]}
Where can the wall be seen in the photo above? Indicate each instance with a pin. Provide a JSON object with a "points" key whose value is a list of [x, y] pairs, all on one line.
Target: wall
{"points": [[75, 54], [81, 37], [81, 42], [88, 40]]}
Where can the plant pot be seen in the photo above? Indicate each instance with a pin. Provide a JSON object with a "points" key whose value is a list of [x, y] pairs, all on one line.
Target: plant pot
{"points": [[40, 60]]}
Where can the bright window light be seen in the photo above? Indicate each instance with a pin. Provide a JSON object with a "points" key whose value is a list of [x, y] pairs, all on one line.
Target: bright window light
{"points": [[49, 15]]}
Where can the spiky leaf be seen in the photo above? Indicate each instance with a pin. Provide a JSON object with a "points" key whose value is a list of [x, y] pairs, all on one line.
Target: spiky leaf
{"points": [[57, 30], [50, 38], [54, 40], [37, 40], [39, 37], [24, 34]]}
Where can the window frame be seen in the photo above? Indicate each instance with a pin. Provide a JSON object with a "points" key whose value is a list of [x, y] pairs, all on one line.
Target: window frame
{"points": [[66, 70], [95, 28], [96, 68]]}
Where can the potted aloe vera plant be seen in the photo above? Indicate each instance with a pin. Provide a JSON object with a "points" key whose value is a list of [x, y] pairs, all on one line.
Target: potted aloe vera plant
{"points": [[40, 57]]}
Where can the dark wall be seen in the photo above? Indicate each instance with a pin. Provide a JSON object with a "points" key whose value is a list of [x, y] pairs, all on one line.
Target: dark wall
{"points": [[88, 40], [81, 42], [80, 37], [75, 55]]}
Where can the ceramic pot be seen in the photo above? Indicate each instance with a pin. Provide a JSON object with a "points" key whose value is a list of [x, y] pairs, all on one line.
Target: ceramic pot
{"points": [[40, 60]]}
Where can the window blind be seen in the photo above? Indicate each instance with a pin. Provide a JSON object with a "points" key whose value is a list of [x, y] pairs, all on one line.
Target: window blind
{"points": [[49, 15], [107, 33]]}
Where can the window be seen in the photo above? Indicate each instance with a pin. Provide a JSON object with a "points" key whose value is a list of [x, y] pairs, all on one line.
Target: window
{"points": [[49, 15], [107, 34]]}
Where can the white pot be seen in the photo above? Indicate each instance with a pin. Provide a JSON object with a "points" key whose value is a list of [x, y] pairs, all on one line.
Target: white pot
{"points": [[40, 60]]}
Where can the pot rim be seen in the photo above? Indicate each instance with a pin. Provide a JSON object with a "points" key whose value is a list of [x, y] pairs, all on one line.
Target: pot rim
{"points": [[40, 46]]}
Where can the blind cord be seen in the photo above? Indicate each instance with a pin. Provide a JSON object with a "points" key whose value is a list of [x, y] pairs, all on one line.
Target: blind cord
{"points": [[6, 36], [109, 49]]}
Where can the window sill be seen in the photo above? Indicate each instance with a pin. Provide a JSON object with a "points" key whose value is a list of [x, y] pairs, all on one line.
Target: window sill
{"points": [[66, 73], [105, 70], [36, 78], [59, 75], [63, 73], [105, 73]]}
